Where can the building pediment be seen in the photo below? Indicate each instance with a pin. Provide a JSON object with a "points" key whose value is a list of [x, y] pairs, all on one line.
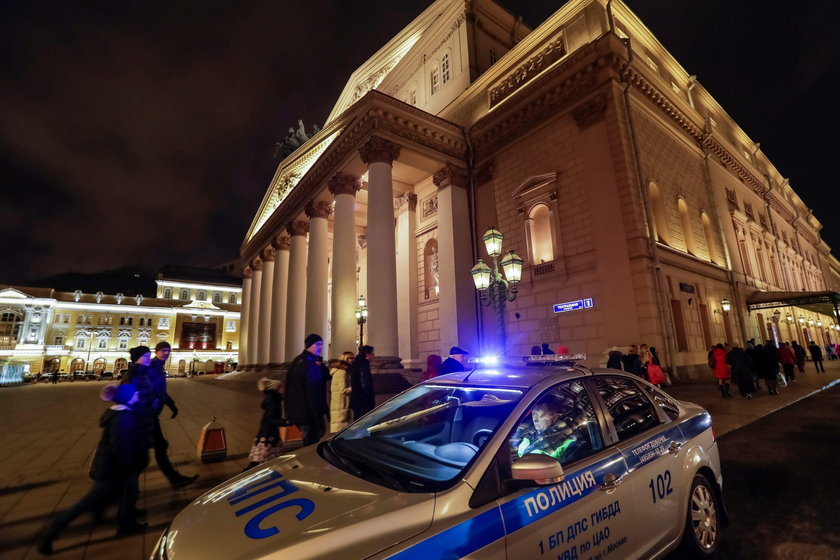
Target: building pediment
{"points": [[12, 294]]}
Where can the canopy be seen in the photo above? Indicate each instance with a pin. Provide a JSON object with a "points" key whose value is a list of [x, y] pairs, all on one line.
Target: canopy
{"points": [[825, 303]]}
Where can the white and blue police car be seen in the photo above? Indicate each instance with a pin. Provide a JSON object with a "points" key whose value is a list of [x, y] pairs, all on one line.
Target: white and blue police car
{"points": [[537, 459]]}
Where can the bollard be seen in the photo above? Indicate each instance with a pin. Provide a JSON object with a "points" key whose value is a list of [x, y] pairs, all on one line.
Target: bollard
{"points": [[212, 444]]}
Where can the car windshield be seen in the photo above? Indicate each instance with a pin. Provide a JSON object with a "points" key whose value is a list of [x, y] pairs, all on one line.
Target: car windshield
{"points": [[423, 439]]}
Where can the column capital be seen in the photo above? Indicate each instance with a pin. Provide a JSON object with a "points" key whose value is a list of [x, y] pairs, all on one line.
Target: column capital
{"points": [[256, 264], [267, 254], [407, 201], [344, 183], [451, 176], [318, 209], [362, 241], [297, 227], [280, 242], [247, 273], [379, 150]]}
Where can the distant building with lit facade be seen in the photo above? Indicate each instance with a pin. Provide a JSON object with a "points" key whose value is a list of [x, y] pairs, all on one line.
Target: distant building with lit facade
{"points": [[196, 310], [643, 212]]}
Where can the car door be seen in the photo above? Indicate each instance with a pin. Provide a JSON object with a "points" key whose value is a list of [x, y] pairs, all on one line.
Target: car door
{"points": [[591, 510], [651, 446]]}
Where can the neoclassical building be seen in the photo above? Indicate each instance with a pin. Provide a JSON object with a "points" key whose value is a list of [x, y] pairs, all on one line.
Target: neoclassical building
{"points": [[197, 311], [643, 213]]}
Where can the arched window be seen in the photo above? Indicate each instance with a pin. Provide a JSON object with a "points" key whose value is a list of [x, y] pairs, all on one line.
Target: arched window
{"points": [[660, 223], [542, 242], [217, 298], [435, 80], [445, 72], [708, 233], [202, 296], [10, 324], [685, 223], [232, 298], [167, 293], [185, 294]]}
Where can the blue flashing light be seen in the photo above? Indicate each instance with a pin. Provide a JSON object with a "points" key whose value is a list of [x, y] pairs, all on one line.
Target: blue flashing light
{"points": [[487, 360]]}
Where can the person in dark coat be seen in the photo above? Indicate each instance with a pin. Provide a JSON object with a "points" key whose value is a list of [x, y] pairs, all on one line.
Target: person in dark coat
{"points": [[769, 367], [654, 356], [740, 367], [268, 444], [799, 354], [157, 377], [117, 461], [816, 356], [145, 410], [306, 395], [631, 361], [455, 362], [614, 359], [362, 393]]}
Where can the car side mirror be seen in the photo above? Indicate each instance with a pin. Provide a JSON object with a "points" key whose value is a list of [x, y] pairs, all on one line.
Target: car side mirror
{"points": [[538, 468]]}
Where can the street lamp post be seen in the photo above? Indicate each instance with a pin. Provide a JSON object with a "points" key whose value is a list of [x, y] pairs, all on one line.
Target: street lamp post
{"points": [[361, 319], [495, 290]]}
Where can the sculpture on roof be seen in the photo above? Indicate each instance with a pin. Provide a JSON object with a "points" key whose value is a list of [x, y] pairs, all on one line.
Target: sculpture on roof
{"points": [[293, 140]]}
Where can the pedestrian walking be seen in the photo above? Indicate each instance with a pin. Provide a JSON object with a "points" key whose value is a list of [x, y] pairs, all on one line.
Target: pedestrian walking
{"points": [[455, 362], [362, 393], [117, 462], [340, 392], [144, 409], [157, 377], [769, 370], [816, 356], [306, 403], [740, 368], [614, 359], [799, 355], [54, 377], [631, 362], [788, 361], [721, 370], [268, 444]]}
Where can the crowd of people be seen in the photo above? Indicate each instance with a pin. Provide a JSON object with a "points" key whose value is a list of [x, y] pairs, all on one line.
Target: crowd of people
{"points": [[130, 429], [640, 360]]}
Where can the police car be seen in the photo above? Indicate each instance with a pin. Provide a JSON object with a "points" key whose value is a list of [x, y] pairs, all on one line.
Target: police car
{"points": [[544, 459]]}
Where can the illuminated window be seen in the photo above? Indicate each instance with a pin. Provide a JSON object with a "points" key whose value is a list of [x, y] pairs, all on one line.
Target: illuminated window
{"points": [[542, 243], [202, 296], [660, 222], [185, 295], [167, 293], [217, 298], [435, 81], [232, 298], [103, 344], [80, 343], [123, 345], [58, 340], [685, 222], [444, 68]]}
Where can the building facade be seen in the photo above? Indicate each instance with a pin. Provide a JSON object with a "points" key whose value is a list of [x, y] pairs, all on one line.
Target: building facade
{"points": [[43, 330], [614, 174]]}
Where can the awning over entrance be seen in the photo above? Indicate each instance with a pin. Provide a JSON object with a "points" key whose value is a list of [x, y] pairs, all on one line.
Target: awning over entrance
{"points": [[818, 302]]}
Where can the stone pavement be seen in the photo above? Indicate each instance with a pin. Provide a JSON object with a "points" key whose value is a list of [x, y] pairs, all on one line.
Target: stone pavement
{"points": [[49, 433]]}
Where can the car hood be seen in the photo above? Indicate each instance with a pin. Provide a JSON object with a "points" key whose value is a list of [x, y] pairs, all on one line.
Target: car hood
{"points": [[296, 506]]}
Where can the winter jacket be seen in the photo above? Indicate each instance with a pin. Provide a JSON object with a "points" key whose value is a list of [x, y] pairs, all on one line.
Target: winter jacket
{"points": [[721, 371], [157, 376], [339, 399], [272, 418], [816, 352], [306, 397], [119, 451], [451, 365], [786, 356], [632, 364], [614, 360], [146, 407], [362, 394]]}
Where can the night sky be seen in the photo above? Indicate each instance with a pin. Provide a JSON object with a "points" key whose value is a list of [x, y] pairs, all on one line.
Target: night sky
{"points": [[143, 132]]}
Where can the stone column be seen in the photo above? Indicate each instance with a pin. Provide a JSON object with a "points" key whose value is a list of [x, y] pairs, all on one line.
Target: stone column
{"points": [[277, 346], [296, 296], [457, 292], [379, 154], [406, 206], [317, 272], [266, 293], [254, 311], [343, 332], [244, 313]]}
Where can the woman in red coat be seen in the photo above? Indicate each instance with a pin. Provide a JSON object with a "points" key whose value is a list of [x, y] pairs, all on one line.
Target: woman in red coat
{"points": [[721, 369], [788, 359]]}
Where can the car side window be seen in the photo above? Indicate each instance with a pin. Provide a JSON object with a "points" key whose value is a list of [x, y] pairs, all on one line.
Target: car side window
{"points": [[663, 401], [631, 411], [561, 423]]}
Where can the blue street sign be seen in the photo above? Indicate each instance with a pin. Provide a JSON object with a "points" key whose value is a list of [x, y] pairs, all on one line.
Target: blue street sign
{"points": [[573, 305]]}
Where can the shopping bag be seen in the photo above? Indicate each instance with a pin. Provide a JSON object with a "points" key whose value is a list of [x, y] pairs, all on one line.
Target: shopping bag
{"points": [[780, 377]]}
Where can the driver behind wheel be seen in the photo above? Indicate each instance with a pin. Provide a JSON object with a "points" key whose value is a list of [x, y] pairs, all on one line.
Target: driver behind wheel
{"points": [[549, 435]]}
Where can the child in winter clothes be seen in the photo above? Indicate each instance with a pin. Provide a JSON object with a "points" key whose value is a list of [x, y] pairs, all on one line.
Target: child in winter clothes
{"points": [[118, 459], [268, 444]]}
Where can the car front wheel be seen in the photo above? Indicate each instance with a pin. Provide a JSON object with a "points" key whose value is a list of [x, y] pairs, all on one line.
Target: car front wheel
{"points": [[702, 526]]}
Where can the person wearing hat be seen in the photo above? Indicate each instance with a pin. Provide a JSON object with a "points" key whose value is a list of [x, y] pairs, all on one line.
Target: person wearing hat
{"points": [[117, 461], [306, 394], [362, 394], [144, 410], [157, 377], [455, 361]]}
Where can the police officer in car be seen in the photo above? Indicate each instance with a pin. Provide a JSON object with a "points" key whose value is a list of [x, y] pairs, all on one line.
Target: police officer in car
{"points": [[549, 435]]}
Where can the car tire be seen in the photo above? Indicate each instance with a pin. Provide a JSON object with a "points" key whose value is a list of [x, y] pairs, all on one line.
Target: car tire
{"points": [[701, 535]]}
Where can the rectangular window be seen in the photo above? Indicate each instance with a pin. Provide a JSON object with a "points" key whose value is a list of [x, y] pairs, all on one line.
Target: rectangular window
{"points": [[444, 67], [103, 344], [217, 298], [232, 298], [705, 325], [435, 80], [59, 340], [80, 343], [123, 344], [679, 325]]}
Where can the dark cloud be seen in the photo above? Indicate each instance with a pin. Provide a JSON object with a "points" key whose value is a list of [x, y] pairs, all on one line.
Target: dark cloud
{"points": [[142, 132]]}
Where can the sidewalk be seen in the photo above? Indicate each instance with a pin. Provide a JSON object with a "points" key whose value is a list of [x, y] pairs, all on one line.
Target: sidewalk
{"points": [[50, 432]]}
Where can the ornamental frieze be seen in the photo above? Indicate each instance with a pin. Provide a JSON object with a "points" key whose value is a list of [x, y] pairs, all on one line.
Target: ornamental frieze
{"points": [[551, 53]]}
